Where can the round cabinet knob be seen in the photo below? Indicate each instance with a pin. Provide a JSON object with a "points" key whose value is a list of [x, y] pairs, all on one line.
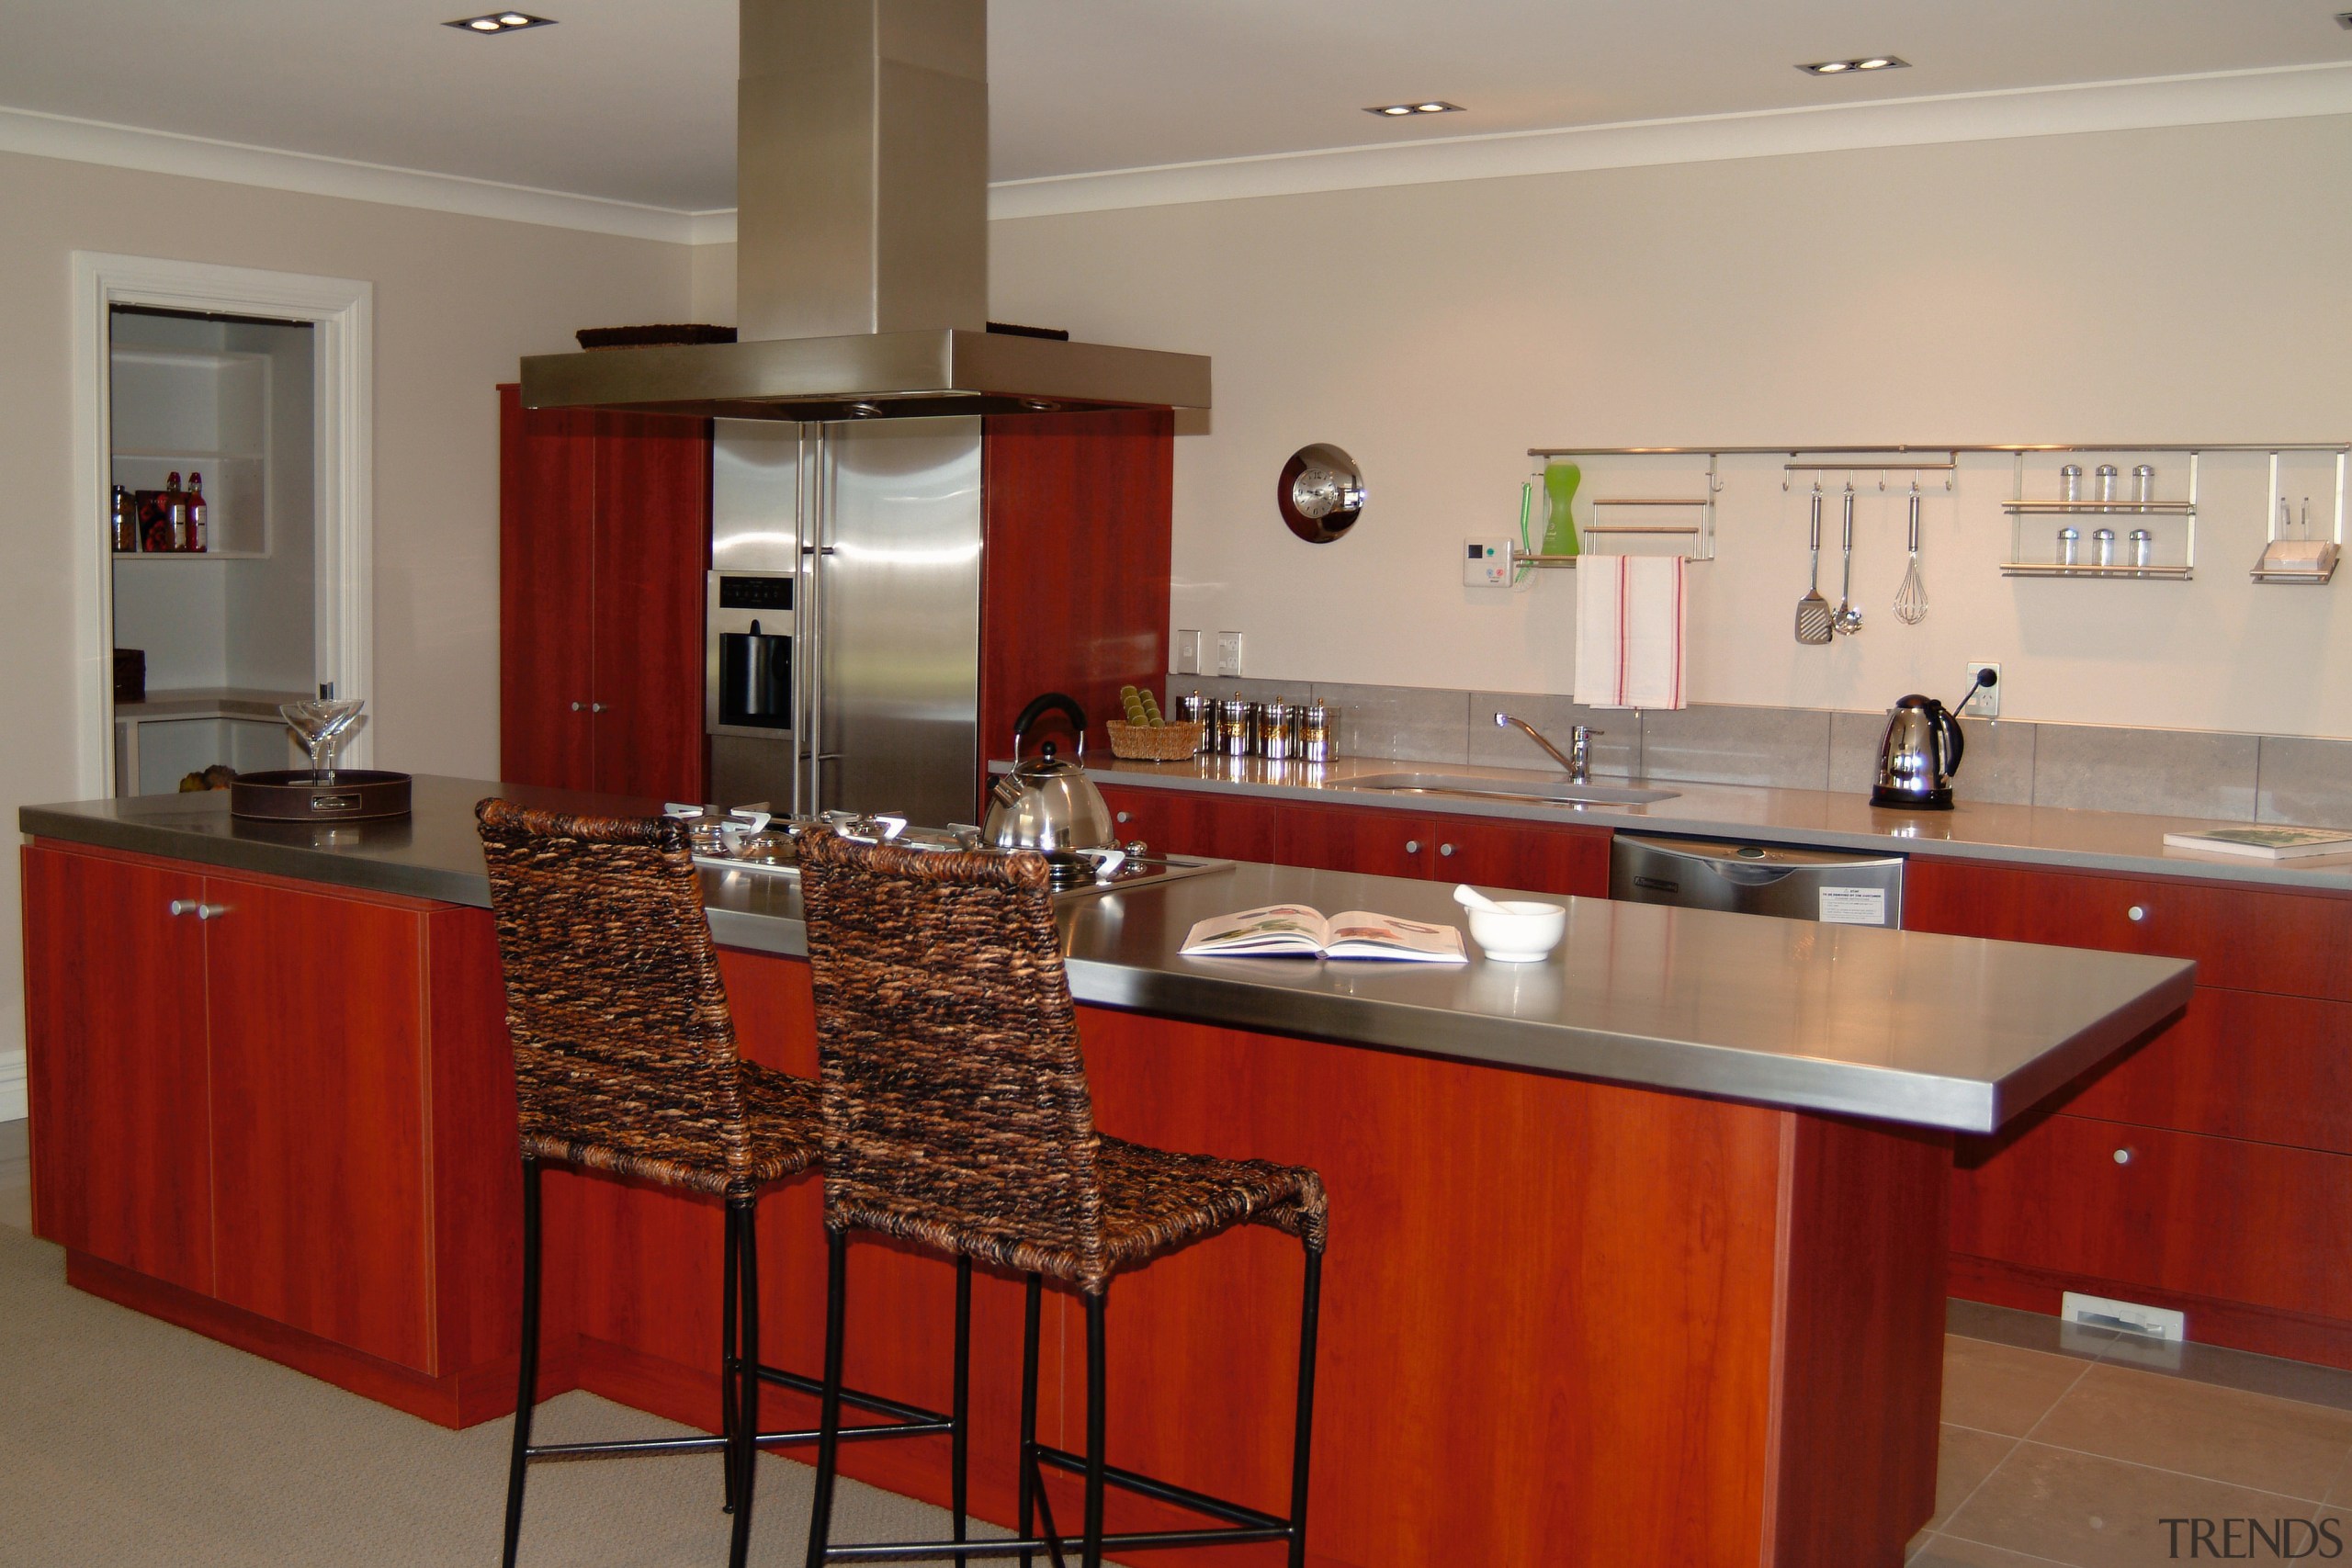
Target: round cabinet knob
{"points": [[1412, 846], [1446, 849], [595, 708], [1122, 815], [577, 707], [2123, 1156], [2137, 912]]}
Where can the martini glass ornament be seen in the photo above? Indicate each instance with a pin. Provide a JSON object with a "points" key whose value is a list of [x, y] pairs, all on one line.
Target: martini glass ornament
{"points": [[323, 722]]}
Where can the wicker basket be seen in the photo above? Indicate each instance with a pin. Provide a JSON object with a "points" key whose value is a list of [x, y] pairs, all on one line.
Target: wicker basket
{"points": [[1169, 743]]}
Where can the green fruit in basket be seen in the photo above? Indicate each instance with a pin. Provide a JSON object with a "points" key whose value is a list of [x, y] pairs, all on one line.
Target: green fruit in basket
{"points": [[1151, 711], [1134, 705]]}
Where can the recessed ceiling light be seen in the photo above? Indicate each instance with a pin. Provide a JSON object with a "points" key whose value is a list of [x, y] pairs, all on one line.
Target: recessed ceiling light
{"points": [[500, 22], [1860, 62], [1427, 105]]}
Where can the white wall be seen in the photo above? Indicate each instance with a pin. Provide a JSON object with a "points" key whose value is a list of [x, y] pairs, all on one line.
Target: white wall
{"points": [[2177, 285], [457, 299]]}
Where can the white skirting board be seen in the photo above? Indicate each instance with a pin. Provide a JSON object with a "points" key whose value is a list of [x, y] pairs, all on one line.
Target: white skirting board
{"points": [[12, 1106]]}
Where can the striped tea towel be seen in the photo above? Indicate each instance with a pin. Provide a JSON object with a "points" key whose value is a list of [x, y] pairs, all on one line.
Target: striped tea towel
{"points": [[1630, 616]]}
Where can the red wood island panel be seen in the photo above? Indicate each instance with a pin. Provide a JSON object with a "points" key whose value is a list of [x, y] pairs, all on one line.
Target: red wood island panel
{"points": [[1563, 1321]]}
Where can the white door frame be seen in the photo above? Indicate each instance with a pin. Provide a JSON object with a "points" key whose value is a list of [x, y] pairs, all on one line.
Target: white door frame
{"points": [[341, 312]]}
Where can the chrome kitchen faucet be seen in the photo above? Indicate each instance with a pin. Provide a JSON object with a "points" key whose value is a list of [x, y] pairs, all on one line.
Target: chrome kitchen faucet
{"points": [[1578, 762]]}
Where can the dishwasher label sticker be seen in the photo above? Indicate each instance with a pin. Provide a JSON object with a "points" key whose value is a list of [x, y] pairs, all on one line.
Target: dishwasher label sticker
{"points": [[1853, 906]]}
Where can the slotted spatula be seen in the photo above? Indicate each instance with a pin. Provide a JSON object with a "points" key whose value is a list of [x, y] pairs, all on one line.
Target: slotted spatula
{"points": [[1813, 610]]}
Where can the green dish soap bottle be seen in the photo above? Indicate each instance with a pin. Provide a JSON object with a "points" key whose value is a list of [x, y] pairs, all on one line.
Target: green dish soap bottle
{"points": [[1560, 481]]}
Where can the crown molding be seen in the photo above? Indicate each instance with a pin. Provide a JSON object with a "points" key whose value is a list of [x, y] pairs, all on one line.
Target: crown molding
{"points": [[197, 157], [2217, 97]]}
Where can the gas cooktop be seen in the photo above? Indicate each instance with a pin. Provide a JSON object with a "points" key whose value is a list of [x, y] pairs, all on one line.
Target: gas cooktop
{"points": [[751, 842]]}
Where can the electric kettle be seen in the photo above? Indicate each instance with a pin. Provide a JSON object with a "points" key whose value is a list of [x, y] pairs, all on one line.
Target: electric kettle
{"points": [[1920, 751]]}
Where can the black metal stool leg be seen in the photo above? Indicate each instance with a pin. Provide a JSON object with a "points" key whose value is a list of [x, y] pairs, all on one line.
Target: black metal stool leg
{"points": [[1028, 1480], [1092, 1555], [746, 1453], [1310, 1313], [528, 1388], [731, 1360], [960, 1459], [828, 1419]]}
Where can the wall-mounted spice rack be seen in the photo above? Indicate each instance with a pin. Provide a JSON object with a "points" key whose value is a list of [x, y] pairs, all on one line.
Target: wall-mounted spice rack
{"points": [[2070, 551]]}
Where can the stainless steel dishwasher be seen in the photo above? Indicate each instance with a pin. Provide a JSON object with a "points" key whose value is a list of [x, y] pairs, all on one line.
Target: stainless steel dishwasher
{"points": [[1843, 890]]}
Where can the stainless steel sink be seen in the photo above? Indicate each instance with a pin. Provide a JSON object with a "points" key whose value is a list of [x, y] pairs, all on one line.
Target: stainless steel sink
{"points": [[1538, 791]]}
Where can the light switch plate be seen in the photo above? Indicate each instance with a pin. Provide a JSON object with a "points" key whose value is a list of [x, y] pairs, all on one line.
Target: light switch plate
{"points": [[1186, 653], [1228, 653], [1987, 703]]}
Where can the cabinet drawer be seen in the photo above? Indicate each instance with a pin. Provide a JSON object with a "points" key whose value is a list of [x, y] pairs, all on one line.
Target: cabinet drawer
{"points": [[2213, 1217], [1186, 822], [1541, 858], [2244, 939], [2239, 1064], [1340, 838]]}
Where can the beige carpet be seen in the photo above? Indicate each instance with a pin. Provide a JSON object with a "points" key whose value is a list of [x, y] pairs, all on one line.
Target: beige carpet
{"points": [[128, 1442]]}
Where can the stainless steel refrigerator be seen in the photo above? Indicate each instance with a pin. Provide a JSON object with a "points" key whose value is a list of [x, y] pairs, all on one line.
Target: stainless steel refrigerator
{"points": [[844, 616]]}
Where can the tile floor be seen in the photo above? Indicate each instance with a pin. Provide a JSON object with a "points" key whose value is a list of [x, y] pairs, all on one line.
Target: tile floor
{"points": [[2061, 1447], [2071, 1448]]}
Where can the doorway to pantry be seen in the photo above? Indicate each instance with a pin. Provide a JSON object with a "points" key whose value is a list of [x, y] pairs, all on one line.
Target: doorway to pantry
{"points": [[209, 419], [221, 440]]}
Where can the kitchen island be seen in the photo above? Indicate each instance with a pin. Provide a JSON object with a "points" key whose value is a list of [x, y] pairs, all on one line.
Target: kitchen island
{"points": [[1637, 1254]]}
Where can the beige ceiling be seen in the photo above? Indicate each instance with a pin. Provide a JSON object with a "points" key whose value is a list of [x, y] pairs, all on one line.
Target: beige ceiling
{"points": [[633, 100]]}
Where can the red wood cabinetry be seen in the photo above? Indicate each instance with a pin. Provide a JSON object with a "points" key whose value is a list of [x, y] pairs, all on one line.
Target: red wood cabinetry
{"points": [[1193, 822], [1538, 857], [1075, 571], [118, 1059], [235, 1123], [604, 541], [2232, 1200]]}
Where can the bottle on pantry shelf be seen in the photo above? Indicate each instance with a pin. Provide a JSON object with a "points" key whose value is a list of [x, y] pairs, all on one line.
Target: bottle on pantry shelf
{"points": [[125, 520], [2070, 483], [2144, 547], [2070, 543], [2103, 548], [169, 530], [199, 521], [2106, 484], [2143, 483]]}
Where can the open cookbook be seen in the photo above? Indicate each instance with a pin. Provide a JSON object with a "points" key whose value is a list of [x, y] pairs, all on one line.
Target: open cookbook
{"points": [[1294, 931]]}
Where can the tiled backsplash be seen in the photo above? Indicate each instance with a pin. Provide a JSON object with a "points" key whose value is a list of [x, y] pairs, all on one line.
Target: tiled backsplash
{"points": [[2175, 772]]}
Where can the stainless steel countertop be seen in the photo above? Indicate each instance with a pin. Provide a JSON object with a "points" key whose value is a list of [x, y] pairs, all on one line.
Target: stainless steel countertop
{"points": [[1941, 1031], [2024, 835]]}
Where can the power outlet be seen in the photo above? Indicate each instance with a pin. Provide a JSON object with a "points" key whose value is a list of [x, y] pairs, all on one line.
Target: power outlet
{"points": [[1987, 701], [1228, 653], [1185, 653]]}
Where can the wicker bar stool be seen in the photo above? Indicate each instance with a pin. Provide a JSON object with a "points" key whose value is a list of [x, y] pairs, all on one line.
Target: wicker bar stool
{"points": [[626, 1064], [956, 1117]]}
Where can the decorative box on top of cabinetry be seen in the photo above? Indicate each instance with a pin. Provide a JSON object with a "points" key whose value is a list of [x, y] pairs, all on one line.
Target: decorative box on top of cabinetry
{"points": [[196, 411]]}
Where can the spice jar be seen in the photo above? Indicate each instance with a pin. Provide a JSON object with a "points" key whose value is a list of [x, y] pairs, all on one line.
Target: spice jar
{"points": [[2103, 548], [2144, 547], [2070, 483], [2070, 546]]}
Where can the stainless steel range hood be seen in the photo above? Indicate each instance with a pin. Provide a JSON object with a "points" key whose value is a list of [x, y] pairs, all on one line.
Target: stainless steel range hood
{"points": [[862, 245]]}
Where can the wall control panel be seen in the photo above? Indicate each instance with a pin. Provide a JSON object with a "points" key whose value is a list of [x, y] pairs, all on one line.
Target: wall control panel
{"points": [[1487, 563]]}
